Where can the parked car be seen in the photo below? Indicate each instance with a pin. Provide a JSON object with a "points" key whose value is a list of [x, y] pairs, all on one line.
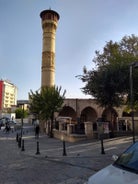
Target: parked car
{"points": [[1, 123], [12, 122], [123, 171], [3, 120]]}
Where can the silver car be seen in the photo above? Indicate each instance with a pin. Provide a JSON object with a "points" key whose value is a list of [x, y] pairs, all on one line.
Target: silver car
{"points": [[123, 171]]}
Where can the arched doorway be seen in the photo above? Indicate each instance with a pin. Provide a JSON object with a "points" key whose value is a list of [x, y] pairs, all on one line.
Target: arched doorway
{"points": [[69, 112], [89, 114]]}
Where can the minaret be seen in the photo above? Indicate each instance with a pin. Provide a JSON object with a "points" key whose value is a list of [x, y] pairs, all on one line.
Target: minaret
{"points": [[49, 25]]}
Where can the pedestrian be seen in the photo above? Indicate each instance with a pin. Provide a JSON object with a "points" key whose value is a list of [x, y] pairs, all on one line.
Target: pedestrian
{"points": [[7, 127]]}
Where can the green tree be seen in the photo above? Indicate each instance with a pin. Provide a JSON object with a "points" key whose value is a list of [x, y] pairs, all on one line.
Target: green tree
{"points": [[21, 113], [109, 81], [108, 85], [46, 102]]}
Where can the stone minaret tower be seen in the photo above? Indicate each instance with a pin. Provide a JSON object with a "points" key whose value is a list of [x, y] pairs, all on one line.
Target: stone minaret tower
{"points": [[49, 25]]}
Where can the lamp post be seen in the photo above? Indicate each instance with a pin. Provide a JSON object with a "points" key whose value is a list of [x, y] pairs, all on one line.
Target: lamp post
{"points": [[132, 65]]}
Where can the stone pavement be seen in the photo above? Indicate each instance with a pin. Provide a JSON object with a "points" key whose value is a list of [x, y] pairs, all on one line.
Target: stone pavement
{"points": [[82, 159]]}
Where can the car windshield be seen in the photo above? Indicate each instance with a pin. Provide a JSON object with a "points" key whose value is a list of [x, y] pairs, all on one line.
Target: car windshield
{"points": [[129, 159]]}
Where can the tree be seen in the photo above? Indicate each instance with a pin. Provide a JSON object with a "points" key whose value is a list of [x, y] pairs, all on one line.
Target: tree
{"points": [[107, 85], [46, 102], [108, 82], [20, 113]]}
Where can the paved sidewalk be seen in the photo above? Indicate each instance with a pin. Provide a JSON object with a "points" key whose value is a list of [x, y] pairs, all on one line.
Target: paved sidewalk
{"points": [[85, 155], [82, 159]]}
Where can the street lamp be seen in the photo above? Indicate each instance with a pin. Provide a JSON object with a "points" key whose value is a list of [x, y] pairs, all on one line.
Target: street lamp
{"points": [[132, 65]]}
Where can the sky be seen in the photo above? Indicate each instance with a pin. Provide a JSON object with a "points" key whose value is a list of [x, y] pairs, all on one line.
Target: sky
{"points": [[84, 27]]}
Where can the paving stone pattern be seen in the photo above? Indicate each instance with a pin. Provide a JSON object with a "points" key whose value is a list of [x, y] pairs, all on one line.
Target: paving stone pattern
{"points": [[83, 159]]}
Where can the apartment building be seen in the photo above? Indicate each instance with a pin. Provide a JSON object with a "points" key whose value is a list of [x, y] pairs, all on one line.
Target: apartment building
{"points": [[8, 95]]}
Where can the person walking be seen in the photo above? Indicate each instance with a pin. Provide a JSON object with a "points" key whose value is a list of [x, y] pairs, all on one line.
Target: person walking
{"points": [[7, 127]]}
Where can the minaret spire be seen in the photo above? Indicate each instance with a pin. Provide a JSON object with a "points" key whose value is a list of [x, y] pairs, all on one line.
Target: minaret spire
{"points": [[49, 25]]}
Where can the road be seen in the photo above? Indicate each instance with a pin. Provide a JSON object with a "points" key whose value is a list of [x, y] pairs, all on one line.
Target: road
{"points": [[83, 159]]}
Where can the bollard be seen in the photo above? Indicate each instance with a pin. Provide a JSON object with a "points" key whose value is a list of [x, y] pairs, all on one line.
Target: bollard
{"points": [[102, 147], [19, 142], [37, 152], [64, 149], [17, 137], [23, 145]]}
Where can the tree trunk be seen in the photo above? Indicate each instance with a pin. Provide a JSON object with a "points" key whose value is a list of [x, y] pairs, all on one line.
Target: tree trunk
{"points": [[51, 127], [112, 126]]}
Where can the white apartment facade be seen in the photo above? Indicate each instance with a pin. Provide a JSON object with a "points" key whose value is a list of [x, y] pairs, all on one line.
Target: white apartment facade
{"points": [[8, 95]]}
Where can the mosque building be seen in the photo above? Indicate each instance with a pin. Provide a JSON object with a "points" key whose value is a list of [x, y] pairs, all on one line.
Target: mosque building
{"points": [[78, 116]]}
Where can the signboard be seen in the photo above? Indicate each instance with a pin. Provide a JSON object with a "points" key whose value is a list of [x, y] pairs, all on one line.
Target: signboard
{"points": [[106, 127], [103, 127]]}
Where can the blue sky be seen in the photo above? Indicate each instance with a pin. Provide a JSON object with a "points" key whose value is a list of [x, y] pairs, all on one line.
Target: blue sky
{"points": [[84, 27]]}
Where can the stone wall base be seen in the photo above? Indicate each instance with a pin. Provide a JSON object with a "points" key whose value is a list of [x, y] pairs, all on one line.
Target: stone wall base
{"points": [[70, 138]]}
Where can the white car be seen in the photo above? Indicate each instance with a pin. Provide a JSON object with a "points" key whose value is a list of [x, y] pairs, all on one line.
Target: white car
{"points": [[123, 171]]}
